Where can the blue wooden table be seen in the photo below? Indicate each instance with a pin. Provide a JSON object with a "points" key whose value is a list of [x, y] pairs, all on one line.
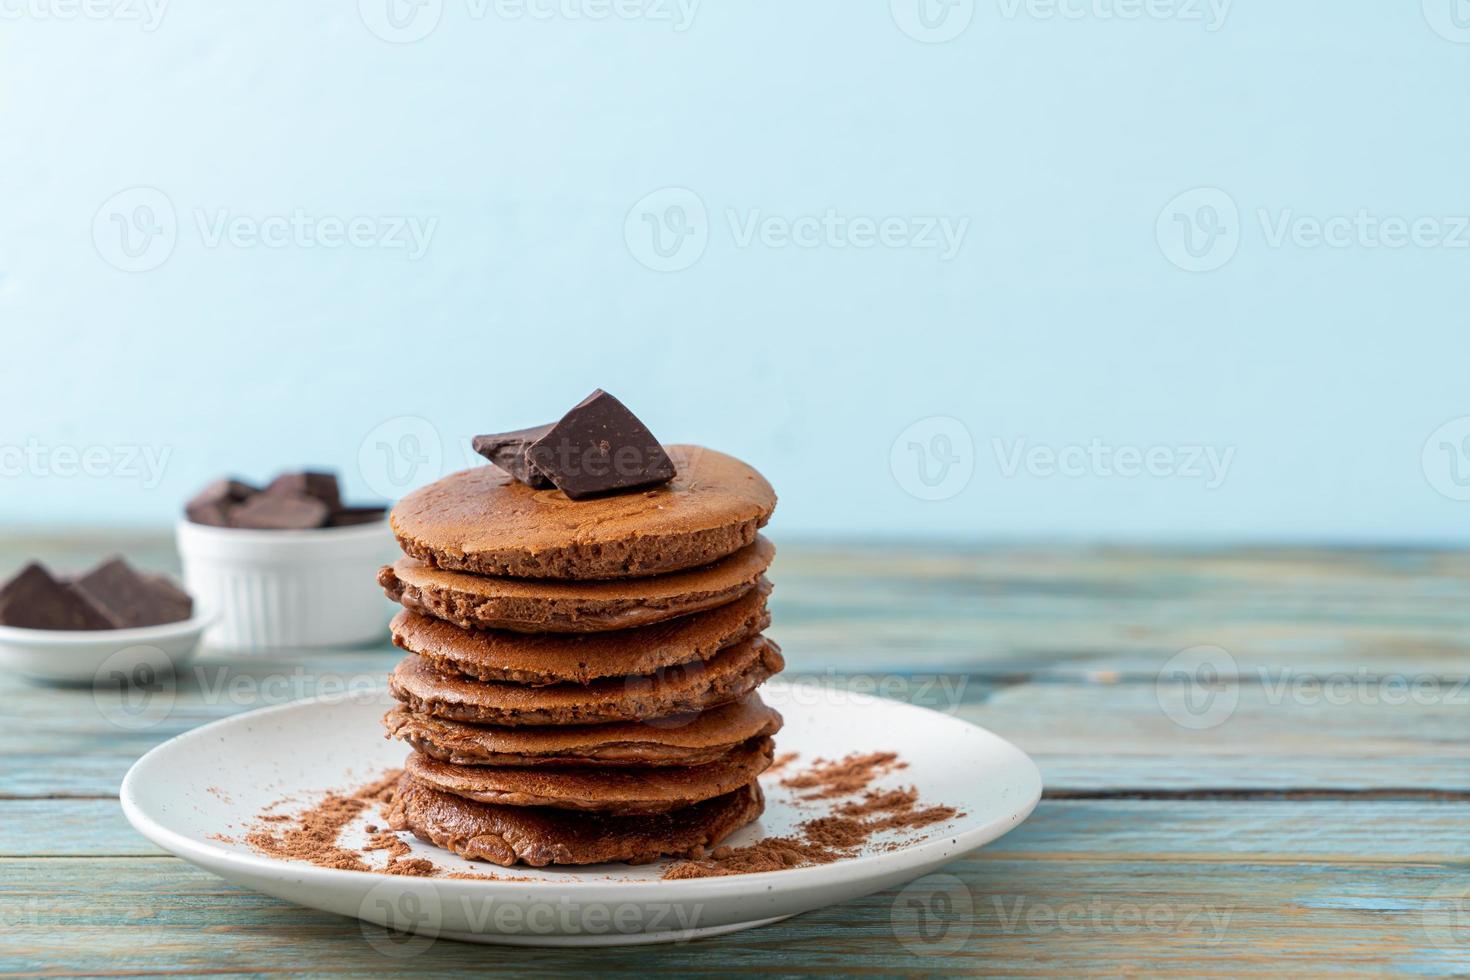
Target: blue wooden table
{"points": [[1257, 762]]}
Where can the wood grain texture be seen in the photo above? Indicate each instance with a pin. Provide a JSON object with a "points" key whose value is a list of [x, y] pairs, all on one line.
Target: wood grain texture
{"points": [[1168, 847]]}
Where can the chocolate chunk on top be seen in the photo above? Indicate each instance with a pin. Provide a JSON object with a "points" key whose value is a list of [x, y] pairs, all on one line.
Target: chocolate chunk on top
{"points": [[280, 511], [321, 486], [213, 504], [600, 447], [35, 599], [134, 598], [507, 450]]}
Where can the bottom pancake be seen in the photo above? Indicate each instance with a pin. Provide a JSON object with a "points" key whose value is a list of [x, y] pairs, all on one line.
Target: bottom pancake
{"points": [[539, 836], [611, 790]]}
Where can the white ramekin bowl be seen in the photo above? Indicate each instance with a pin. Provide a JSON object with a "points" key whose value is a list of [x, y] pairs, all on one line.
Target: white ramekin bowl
{"points": [[138, 654], [273, 589]]}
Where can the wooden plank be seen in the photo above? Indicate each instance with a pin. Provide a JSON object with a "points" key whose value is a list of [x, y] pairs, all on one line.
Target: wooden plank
{"points": [[1121, 737], [1087, 737], [69, 828], [1276, 831], [995, 912]]}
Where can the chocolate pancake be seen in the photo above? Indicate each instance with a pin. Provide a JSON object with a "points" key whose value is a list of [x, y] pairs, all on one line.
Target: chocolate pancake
{"points": [[550, 658], [729, 675], [530, 606], [539, 836], [606, 790], [691, 741], [485, 521]]}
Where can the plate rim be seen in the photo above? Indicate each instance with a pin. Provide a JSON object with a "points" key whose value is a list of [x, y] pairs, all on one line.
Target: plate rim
{"points": [[844, 871]]}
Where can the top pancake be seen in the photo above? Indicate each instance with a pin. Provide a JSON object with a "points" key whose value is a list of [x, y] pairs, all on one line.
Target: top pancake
{"points": [[545, 606], [482, 520]]}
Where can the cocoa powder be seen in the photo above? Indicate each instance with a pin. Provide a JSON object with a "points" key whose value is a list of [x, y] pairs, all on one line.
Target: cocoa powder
{"points": [[314, 832], [848, 775], [840, 834]]}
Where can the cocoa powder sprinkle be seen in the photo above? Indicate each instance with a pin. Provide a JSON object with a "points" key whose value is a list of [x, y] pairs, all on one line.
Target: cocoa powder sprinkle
{"points": [[848, 775], [842, 833], [314, 833]]}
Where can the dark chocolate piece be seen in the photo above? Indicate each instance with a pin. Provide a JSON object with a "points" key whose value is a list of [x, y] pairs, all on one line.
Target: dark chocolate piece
{"points": [[35, 599], [322, 486], [508, 451], [280, 511], [133, 598], [600, 447], [213, 504], [347, 516]]}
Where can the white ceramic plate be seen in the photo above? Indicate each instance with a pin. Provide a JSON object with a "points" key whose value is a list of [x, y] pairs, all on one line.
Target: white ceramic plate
{"points": [[207, 784]]}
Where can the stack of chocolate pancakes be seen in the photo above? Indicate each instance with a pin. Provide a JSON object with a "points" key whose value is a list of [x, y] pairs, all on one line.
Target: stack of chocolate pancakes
{"points": [[580, 682]]}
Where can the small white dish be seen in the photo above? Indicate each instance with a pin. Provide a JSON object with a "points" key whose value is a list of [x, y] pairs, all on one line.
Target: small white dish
{"points": [[85, 656], [283, 589], [196, 796]]}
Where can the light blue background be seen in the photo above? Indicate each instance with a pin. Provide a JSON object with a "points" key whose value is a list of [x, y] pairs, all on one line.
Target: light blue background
{"points": [[1061, 320]]}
